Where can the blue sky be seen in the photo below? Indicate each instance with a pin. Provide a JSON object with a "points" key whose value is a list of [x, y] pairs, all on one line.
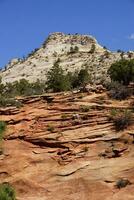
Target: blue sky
{"points": [[25, 24]]}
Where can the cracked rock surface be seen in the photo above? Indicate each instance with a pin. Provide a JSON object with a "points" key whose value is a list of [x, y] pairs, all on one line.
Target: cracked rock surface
{"points": [[61, 151]]}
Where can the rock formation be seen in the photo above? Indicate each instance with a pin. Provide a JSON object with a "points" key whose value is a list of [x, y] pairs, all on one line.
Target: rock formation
{"points": [[74, 51], [64, 146], [67, 148]]}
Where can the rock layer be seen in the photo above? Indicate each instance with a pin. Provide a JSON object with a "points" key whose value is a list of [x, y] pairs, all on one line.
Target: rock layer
{"points": [[67, 149]]}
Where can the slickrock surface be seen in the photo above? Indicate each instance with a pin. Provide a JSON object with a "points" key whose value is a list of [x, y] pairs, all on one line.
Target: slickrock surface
{"points": [[58, 45], [56, 149]]}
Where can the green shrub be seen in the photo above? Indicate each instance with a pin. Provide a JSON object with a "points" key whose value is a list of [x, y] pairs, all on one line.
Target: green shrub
{"points": [[107, 54], [73, 79], [113, 113], [50, 128], [64, 116], [57, 81], [32, 52], [104, 47], [79, 78], [92, 50], [122, 71], [7, 192], [85, 117], [2, 86], [118, 91], [120, 51], [84, 108], [4, 102], [21, 88], [2, 129], [74, 49], [49, 99], [83, 77], [37, 88], [121, 183], [121, 118]]}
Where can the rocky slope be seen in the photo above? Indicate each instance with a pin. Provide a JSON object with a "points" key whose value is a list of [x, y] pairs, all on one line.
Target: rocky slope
{"points": [[58, 45], [63, 146]]}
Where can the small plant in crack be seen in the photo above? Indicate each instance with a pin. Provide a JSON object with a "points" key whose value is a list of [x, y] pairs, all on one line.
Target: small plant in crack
{"points": [[101, 99], [7, 192], [85, 117], [121, 183], [50, 128], [84, 108], [64, 116], [2, 130]]}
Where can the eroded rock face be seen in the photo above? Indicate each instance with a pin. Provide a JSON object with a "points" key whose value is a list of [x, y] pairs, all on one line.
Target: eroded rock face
{"points": [[58, 45], [64, 150]]}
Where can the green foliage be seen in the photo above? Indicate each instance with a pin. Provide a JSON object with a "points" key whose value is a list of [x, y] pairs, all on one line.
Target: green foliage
{"points": [[118, 91], [120, 51], [79, 78], [83, 77], [64, 116], [7, 192], [85, 117], [58, 61], [21, 88], [32, 52], [92, 50], [113, 113], [1, 86], [49, 99], [121, 183], [107, 54], [4, 102], [122, 71], [57, 80], [50, 128], [73, 79], [121, 118], [74, 49], [104, 47], [9, 91], [84, 108], [37, 88], [2, 129]]}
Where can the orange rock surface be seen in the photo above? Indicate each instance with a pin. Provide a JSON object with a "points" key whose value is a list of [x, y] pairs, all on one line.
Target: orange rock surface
{"points": [[67, 149]]}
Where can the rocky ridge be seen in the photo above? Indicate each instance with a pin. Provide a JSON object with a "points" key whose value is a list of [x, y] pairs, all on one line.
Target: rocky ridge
{"points": [[89, 53]]}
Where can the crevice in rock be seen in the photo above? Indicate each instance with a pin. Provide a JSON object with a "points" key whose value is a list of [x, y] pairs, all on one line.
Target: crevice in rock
{"points": [[44, 143]]}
